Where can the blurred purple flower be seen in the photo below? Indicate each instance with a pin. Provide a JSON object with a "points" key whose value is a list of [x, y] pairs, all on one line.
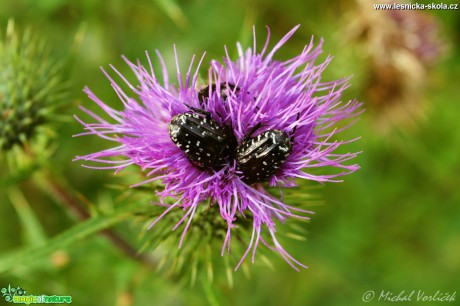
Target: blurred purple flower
{"points": [[253, 90]]}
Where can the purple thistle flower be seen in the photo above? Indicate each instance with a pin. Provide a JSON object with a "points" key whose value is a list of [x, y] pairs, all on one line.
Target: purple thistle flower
{"points": [[255, 90]]}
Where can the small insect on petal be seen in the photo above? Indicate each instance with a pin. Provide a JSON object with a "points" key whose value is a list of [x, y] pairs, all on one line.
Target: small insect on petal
{"points": [[260, 157]]}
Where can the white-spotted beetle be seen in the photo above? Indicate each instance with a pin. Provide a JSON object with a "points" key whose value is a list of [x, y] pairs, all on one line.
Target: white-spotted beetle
{"points": [[206, 143], [260, 157]]}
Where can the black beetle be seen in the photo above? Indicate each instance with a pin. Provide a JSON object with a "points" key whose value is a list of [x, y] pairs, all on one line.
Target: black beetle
{"points": [[260, 157], [206, 143], [225, 89]]}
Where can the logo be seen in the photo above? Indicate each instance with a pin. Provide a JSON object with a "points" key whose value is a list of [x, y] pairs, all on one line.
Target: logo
{"points": [[10, 292], [18, 295]]}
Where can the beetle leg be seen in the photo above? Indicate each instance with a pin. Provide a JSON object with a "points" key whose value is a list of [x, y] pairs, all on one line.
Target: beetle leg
{"points": [[255, 128], [296, 119], [295, 128]]}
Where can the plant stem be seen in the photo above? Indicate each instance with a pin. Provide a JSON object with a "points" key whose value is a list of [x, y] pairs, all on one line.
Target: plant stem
{"points": [[58, 191], [82, 230]]}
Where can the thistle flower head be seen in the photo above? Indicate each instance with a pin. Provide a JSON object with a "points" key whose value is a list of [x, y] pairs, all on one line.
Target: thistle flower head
{"points": [[400, 47], [419, 34], [280, 113], [29, 87]]}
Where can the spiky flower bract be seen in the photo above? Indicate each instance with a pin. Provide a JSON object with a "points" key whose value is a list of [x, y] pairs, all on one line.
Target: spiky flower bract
{"points": [[30, 87], [282, 95]]}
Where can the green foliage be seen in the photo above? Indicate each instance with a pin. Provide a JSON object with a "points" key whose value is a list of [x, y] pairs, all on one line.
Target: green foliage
{"points": [[30, 85]]}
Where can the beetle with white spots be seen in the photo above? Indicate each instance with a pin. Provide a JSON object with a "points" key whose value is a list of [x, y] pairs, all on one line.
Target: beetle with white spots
{"points": [[208, 144], [259, 158]]}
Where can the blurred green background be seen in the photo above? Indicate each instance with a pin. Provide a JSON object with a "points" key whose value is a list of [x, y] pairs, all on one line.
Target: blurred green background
{"points": [[394, 225]]}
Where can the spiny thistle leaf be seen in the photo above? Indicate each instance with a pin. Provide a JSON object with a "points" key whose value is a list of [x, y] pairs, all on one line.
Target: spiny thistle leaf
{"points": [[30, 86]]}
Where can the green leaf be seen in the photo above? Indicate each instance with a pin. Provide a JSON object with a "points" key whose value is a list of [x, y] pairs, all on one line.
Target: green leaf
{"points": [[34, 233], [19, 175], [173, 11], [79, 232]]}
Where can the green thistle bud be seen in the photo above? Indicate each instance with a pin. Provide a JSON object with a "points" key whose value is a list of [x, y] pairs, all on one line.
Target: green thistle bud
{"points": [[201, 257], [30, 86]]}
